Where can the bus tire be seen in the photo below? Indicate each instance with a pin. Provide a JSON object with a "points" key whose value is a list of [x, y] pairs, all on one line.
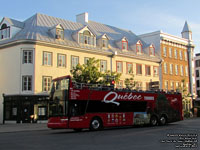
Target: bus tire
{"points": [[154, 121], [163, 120], [96, 124]]}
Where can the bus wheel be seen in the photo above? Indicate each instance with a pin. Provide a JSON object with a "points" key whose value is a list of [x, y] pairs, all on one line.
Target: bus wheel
{"points": [[153, 121], [78, 129], [96, 124], [163, 120]]}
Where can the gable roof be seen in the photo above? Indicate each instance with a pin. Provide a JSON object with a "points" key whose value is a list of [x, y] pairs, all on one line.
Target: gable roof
{"points": [[37, 28], [13, 22]]}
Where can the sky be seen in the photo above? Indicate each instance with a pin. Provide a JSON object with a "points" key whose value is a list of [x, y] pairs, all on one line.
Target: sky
{"points": [[139, 16]]}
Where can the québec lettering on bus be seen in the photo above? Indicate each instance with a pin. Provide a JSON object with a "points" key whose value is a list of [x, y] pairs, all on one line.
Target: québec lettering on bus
{"points": [[126, 96]]}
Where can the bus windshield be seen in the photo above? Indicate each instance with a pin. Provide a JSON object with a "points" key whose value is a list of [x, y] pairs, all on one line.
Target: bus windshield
{"points": [[58, 97]]}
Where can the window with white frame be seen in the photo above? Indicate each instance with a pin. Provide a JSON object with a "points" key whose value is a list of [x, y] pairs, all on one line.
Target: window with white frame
{"points": [[170, 52], [176, 69], [27, 83], [61, 60], [166, 85], [164, 51], [186, 56], [129, 67], [86, 59], [171, 68], [86, 38], [155, 71], [119, 84], [139, 47], [47, 58], [46, 83], [181, 55], [27, 56], [119, 66], [104, 43], [181, 70], [103, 65], [165, 68], [186, 70], [172, 85], [175, 54], [177, 85], [74, 61], [4, 31], [59, 33], [139, 85], [151, 50]]}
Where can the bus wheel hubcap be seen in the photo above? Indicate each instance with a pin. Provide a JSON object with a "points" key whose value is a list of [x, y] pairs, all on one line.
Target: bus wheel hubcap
{"points": [[95, 124]]}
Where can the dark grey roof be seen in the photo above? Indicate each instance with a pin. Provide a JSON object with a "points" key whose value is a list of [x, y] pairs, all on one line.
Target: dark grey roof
{"points": [[37, 28], [14, 22], [186, 28]]}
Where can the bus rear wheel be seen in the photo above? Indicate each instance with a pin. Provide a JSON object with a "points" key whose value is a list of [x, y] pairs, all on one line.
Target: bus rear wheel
{"points": [[96, 124], [153, 121]]}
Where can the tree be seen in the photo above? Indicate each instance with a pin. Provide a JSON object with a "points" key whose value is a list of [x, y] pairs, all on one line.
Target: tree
{"points": [[109, 76], [87, 73], [130, 83]]}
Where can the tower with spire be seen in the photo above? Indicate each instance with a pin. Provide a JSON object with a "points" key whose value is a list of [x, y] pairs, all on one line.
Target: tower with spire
{"points": [[187, 32]]}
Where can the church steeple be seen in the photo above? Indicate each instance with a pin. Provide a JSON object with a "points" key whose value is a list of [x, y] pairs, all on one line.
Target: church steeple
{"points": [[187, 32]]}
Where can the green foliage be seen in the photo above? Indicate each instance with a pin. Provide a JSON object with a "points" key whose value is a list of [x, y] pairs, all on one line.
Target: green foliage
{"points": [[130, 83], [87, 73], [109, 76], [183, 90]]}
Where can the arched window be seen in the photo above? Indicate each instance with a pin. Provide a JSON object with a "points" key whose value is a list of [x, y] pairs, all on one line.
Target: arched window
{"points": [[86, 38], [151, 50], [4, 31]]}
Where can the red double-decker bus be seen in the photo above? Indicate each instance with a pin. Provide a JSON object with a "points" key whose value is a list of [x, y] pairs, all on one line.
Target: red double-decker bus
{"points": [[77, 106]]}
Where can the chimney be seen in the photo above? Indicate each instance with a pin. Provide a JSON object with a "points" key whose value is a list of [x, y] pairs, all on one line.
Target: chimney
{"points": [[82, 18]]}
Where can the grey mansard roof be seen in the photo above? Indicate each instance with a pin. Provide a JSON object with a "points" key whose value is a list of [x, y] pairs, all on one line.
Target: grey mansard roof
{"points": [[37, 28]]}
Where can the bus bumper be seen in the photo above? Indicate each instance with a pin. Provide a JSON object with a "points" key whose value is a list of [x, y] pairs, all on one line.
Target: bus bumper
{"points": [[58, 123]]}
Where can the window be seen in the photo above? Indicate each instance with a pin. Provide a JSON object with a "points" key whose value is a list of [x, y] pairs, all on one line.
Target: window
{"points": [[86, 38], [4, 31], [138, 69], [139, 86], [177, 85], [129, 68], [197, 73], [181, 68], [139, 48], [164, 51], [197, 63], [152, 50], [148, 70], [59, 33], [103, 66], [124, 45], [47, 58], [198, 83], [171, 68], [170, 52], [86, 59], [119, 84], [198, 93], [186, 71], [46, 83], [166, 85], [27, 57], [61, 60], [165, 68], [185, 55], [104, 43], [181, 55], [155, 71], [172, 85], [175, 54], [26, 83], [74, 61], [176, 69], [119, 66]]}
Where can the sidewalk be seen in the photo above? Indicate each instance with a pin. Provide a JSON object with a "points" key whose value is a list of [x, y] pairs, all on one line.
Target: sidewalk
{"points": [[5, 128]]}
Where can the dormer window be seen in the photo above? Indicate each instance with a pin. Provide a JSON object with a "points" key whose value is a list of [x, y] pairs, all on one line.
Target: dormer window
{"points": [[86, 38], [104, 43], [59, 33], [151, 50], [4, 31], [139, 47], [124, 44]]}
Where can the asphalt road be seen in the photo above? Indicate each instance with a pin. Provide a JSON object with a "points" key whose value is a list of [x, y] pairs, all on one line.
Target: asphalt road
{"points": [[179, 136]]}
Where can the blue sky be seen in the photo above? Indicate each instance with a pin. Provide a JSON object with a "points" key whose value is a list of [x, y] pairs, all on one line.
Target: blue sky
{"points": [[139, 16]]}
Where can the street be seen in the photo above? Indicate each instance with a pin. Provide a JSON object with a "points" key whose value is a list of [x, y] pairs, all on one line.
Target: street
{"points": [[179, 135]]}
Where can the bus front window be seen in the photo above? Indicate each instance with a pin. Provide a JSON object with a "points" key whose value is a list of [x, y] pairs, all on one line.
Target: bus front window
{"points": [[58, 105]]}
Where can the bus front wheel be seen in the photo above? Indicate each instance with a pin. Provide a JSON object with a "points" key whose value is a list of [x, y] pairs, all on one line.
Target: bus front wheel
{"points": [[96, 124], [163, 120], [153, 121]]}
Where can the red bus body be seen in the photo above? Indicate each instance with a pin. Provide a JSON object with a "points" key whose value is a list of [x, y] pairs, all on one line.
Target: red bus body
{"points": [[110, 105]]}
